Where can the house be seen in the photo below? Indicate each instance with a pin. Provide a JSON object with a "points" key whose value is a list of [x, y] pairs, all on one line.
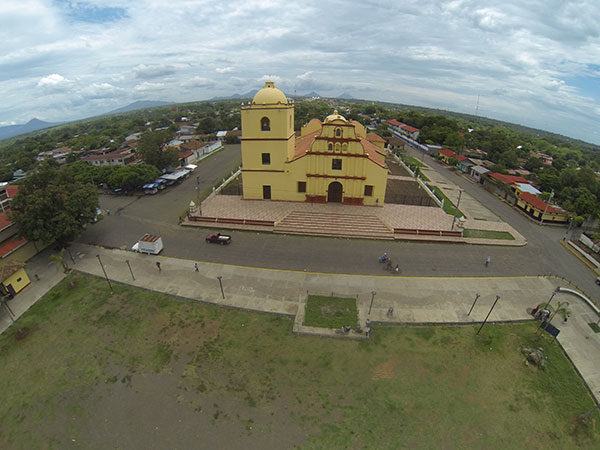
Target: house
{"points": [[13, 278], [199, 149], [399, 128], [331, 162], [464, 163], [412, 132], [540, 210], [12, 246], [478, 172], [377, 140], [121, 157], [445, 155], [185, 157], [525, 187]]}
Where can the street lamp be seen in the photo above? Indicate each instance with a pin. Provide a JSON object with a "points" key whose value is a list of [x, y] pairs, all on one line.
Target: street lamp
{"points": [[221, 285], [373, 293]]}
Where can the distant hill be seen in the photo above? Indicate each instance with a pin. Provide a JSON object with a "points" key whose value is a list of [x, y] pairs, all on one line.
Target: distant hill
{"points": [[143, 104], [33, 125], [249, 94], [346, 96], [312, 94]]}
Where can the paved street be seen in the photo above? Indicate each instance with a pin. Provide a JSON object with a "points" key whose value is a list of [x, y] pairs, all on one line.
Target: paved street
{"points": [[438, 282], [158, 214]]}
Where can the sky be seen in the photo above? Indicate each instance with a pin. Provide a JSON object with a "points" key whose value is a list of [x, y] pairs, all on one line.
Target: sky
{"points": [[531, 62]]}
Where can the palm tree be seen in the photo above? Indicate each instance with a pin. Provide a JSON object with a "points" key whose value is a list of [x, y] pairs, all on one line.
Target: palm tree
{"points": [[60, 260]]}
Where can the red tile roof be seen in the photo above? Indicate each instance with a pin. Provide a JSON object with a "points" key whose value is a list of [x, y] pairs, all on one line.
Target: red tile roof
{"points": [[374, 137], [182, 155], [10, 245], [4, 222], [460, 157], [508, 179], [447, 152], [372, 152], [395, 122], [409, 128], [11, 190], [540, 204]]}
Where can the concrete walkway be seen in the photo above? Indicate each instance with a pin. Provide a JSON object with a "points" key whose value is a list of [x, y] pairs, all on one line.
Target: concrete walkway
{"points": [[415, 300]]}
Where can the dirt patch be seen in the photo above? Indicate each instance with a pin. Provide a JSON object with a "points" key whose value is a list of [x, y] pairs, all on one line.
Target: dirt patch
{"points": [[385, 371], [406, 192]]}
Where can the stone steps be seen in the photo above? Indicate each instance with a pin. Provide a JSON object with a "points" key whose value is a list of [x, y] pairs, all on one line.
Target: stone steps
{"points": [[333, 224]]}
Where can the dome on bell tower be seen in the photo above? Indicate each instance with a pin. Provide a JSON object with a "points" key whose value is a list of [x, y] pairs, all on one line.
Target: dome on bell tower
{"points": [[269, 95]]}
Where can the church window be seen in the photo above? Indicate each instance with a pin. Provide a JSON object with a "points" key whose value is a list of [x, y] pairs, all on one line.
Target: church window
{"points": [[344, 147], [337, 147], [301, 186], [330, 147], [336, 164], [266, 159], [338, 132], [368, 190], [265, 124]]}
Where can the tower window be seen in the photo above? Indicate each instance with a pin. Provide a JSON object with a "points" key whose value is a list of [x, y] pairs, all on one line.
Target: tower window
{"points": [[266, 159], [330, 147], [336, 164], [301, 186], [265, 124], [338, 132], [368, 191]]}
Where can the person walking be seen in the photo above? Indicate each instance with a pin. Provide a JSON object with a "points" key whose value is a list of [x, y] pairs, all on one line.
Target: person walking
{"points": [[196, 267], [488, 261], [158, 266]]}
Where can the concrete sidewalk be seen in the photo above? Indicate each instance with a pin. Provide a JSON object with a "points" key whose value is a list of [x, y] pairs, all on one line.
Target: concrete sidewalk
{"points": [[414, 300]]}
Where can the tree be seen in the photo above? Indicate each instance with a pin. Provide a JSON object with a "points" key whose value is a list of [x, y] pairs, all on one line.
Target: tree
{"points": [[150, 149], [207, 125], [131, 178], [51, 205]]}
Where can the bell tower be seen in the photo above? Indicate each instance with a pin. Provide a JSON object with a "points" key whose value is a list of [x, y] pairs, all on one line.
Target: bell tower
{"points": [[268, 140]]}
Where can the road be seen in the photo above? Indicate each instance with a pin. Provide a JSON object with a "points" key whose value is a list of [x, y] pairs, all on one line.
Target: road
{"points": [[131, 216]]}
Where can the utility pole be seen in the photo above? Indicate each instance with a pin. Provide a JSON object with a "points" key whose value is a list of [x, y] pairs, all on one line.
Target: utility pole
{"points": [[546, 208]]}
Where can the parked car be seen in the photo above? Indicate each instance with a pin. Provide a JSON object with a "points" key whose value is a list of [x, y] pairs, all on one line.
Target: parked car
{"points": [[218, 238]]}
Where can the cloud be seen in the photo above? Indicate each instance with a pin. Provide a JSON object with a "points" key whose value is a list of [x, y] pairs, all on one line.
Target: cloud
{"points": [[148, 86], [144, 71], [533, 62], [101, 90]]}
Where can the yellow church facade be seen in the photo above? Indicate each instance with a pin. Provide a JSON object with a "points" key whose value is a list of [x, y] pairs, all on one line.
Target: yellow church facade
{"points": [[334, 161]]}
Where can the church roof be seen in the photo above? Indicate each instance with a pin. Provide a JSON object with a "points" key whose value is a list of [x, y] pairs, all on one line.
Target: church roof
{"points": [[374, 137], [269, 95]]}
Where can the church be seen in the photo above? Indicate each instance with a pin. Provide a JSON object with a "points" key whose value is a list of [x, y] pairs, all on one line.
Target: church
{"points": [[334, 161]]}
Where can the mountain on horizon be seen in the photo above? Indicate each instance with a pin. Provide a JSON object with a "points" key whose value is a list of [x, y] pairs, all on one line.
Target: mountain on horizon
{"points": [[249, 94], [346, 96], [33, 125], [312, 94], [142, 104]]}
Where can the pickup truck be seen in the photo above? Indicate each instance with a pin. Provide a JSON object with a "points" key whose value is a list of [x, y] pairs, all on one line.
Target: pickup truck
{"points": [[218, 238]]}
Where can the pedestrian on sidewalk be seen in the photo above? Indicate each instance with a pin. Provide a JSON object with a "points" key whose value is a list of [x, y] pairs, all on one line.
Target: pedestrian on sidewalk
{"points": [[390, 311], [158, 266], [367, 322], [196, 267], [368, 331], [488, 261]]}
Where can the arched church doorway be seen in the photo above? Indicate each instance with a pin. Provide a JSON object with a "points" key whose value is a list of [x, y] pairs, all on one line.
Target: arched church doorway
{"points": [[334, 192]]}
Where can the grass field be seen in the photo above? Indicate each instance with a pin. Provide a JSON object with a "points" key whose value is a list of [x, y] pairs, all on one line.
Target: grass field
{"points": [[330, 312], [139, 369], [449, 207]]}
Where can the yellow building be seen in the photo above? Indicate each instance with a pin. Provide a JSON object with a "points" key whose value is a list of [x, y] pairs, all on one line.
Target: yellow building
{"points": [[331, 162], [13, 278]]}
